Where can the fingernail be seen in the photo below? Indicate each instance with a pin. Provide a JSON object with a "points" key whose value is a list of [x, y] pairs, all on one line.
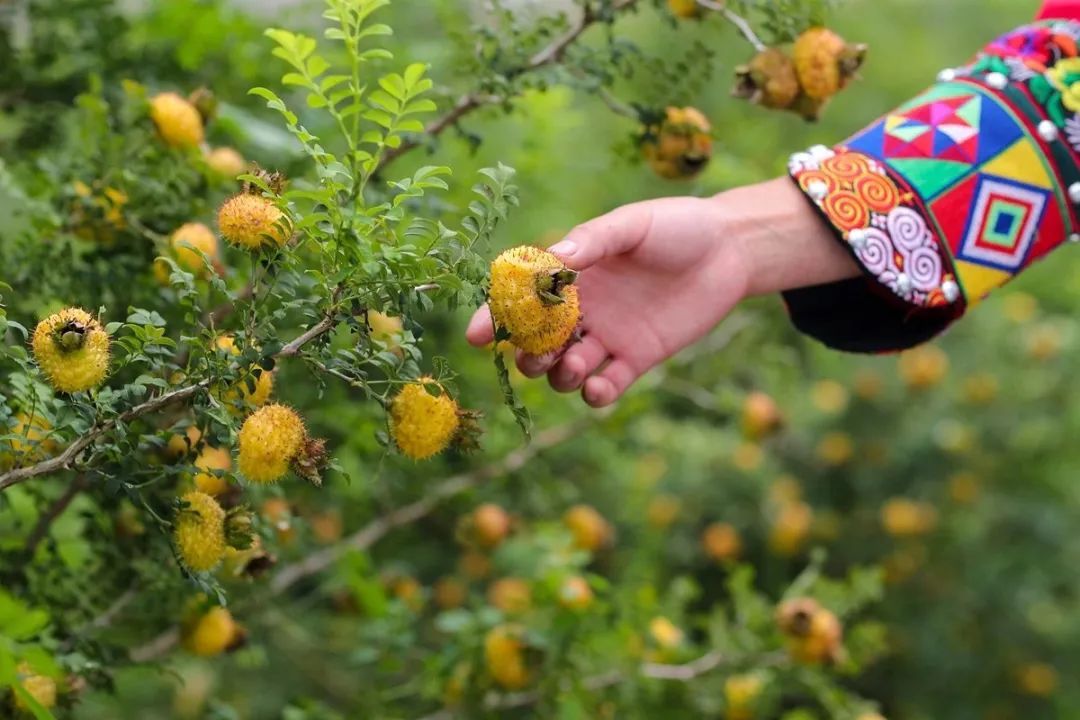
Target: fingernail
{"points": [[565, 248]]}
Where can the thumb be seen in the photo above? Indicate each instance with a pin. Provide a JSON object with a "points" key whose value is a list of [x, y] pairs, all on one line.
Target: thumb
{"points": [[616, 233]]}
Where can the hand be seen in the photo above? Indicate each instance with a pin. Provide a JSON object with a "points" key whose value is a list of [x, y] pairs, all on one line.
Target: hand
{"points": [[657, 276]]}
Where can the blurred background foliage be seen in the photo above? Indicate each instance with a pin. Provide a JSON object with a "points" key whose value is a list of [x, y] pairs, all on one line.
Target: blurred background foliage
{"points": [[953, 468]]}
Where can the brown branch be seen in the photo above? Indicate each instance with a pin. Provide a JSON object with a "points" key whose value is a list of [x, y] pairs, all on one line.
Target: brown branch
{"points": [[41, 528]]}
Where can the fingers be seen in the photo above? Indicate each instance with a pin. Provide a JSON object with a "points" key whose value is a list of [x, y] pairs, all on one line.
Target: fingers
{"points": [[480, 333], [618, 232], [606, 387], [533, 366], [577, 364]]}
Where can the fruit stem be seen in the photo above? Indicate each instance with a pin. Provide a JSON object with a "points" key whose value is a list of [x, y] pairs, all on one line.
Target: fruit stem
{"points": [[549, 286]]}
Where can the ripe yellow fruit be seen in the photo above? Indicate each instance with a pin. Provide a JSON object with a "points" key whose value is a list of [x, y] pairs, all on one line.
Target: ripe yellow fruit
{"points": [[815, 634], [504, 654], [423, 424], [663, 511], [384, 328], [825, 63], [761, 416], [211, 633], [241, 396], [199, 532], [923, 367], [251, 222], [226, 161], [178, 121], [680, 146], [905, 518], [685, 9], [666, 634], [449, 593], [829, 396], [40, 687], [31, 443], [210, 459], [202, 241], [1037, 679], [532, 297], [768, 80], [575, 593], [511, 595], [270, 440], [721, 542], [791, 529], [180, 446], [490, 525], [98, 216], [589, 528], [72, 349], [740, 694], [785, 490], [836, 449]]}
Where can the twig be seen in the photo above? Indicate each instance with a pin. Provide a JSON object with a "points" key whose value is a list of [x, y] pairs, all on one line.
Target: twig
{"points": [[320, 328], [737, 20], [41, 528]]}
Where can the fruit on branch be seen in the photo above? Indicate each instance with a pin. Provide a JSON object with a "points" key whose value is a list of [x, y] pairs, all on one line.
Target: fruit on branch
{"points": [[271, 440], [791, 528], [814, 633], [72, 349], [30, 442], [575, 594], [40, 687], [250, 221], [907, 518], [1037, 679], [741, 693], [504, 655], [678, 146], [663, 511], [408, 590], [209, 460], [487, 526], [202, 241], [385, 329], [178, 121], [836, 449], [474, 565], [768, 80], [761, 416], [226, 161], [721, 542], [449, 593], [97, 216], [825, 62], [510, 595], [211, 633], [181, 446], [589, 529], [253, 389], [532, 297], [424, 419], [685, 9], [199, 532], [667, 638]]}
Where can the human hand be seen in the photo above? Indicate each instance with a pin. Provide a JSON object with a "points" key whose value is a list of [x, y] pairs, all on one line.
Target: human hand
{"points": [[657, 276]]}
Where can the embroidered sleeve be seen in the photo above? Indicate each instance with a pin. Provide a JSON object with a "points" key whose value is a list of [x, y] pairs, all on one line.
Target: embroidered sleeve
{"points": [[951, 195]]}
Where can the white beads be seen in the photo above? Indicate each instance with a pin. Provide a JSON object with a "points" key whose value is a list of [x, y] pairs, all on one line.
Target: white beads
{"points": [[950, 290], [903, 284], [946, 75], [857, 239], [1074, 238], [822, 152], [1074, 193], [997, 80], [1048, 131], [818, 190]]}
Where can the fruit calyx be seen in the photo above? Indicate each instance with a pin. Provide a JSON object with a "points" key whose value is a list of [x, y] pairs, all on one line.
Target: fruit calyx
{"points": [[549, 285]]}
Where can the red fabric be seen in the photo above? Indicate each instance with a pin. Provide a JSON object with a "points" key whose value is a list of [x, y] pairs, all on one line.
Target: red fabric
{"points": [[1060, 9]]}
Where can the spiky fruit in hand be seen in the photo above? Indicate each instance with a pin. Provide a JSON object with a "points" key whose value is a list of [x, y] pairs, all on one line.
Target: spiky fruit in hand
{"points": [[40, 687], [252, 221], [511, 595], [209, 460], [190, 242], [270, 440], [680, 146], [423, 424], [575, 593], [226, 161], [211, 633], [768, 80], [533, 298], [504, 654], [685, 9], [72, 350], [199, 532], [589, 528], [825, 62], [178, 121]]}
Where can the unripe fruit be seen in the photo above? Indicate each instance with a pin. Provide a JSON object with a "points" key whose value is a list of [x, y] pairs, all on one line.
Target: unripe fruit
{"points": [[39, 687], [270, 440], [825, 63], [252, 221], [761, 416], [590, 530], [210, 459], [923, 367], [768, 80], [178, 121], [199, 532], [212, 633], [504, 654], [685, 9], [449, 593], [490, 525], [905, 518], [226, 161], [202, 241], [512, 596], [680, 146], [532, 297], [791, 529], [72, 349], [423, 424], [721, 542], [575, 593]]}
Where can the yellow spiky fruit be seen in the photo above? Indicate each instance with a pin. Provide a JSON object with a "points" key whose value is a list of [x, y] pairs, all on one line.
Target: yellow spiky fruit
{"points": [[825, 62], [72, 349], [270, 440], [684, 9], [252, 397], [211, 633], [209, 460], [226, 161], [679, 146], [178, 121], [532, 298], [423, 424], [768, 80], [190, 242], [504, 654], [252, 221], [40, 687], [199, 532]]}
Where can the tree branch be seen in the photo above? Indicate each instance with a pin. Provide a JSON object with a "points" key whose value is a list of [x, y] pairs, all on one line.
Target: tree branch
{"points": [[41, 528], [737, 20]]}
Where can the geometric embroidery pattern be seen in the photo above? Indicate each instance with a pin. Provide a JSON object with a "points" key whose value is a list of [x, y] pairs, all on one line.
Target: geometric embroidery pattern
{"points": [[1003, 222]]}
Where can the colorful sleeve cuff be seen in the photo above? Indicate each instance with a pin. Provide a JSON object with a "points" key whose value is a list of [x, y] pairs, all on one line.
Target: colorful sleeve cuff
{"points": [[951, 195]]}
